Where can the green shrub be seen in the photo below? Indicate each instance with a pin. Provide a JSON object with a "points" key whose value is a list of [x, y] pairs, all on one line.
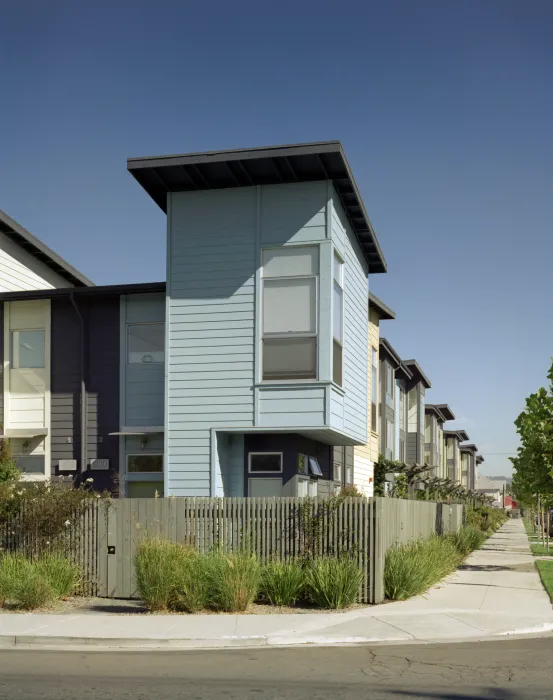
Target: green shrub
{"points": [[468, 539], [62, 575], [157, 563], [191, 584], [233, 581], [33, 591], [282, 583], [333, 583], [411, 569], [13, 568], [485, 518]]}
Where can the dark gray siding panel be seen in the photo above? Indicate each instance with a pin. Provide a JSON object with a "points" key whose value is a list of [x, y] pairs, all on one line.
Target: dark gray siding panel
{"points": [[102, 376]]}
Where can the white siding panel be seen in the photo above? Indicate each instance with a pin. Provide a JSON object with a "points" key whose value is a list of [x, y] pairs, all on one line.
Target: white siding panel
{"points": [[20, 271], [363, 471]]}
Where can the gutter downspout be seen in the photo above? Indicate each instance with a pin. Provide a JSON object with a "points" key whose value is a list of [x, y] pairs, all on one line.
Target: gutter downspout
{"points": [[83, 388]]}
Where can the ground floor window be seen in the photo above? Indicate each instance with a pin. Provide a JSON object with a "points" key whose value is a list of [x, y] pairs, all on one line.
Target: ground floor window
{"points": [[144, 477], [265, 462], [30, 464]]}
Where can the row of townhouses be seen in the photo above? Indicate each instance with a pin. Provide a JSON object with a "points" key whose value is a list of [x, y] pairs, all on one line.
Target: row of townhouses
{"points": [[256, 369]]}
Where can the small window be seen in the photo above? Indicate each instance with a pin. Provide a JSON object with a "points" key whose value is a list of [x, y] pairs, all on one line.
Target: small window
{"points": [[144, 463], [28, 349], [146, 343], [265, 462], [314, 467], [303, 465], [389, 381], [374, 390], [145, 489], [30, 464]]}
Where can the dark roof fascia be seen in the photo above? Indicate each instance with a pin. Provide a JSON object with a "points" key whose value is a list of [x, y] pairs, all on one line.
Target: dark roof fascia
{"points": [[32, 245], [418, 374], [461, 435], [384, 312], [402, 372], [140, 288], [388, 351], [469, 448], [305, 162], [445, 411], [479, 459], [432, 409]]}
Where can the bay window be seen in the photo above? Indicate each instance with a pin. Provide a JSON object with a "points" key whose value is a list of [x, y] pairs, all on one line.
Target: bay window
{"points": [[289, 312]]}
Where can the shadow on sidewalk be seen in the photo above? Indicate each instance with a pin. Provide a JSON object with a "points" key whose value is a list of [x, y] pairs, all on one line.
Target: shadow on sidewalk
{"points": [[488, 694]]}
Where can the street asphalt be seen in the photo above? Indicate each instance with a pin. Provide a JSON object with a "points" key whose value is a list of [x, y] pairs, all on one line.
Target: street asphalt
{"points": [[506, 670]]}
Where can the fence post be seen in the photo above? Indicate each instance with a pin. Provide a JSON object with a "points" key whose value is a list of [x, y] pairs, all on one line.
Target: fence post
{"points": [[378, 553]]}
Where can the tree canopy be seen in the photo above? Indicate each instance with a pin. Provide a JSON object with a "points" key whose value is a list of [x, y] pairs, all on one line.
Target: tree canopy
{"points": [[533, 465]]}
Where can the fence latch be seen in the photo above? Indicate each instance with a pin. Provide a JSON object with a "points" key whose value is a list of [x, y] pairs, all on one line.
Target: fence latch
{"points": [[111, 549]]}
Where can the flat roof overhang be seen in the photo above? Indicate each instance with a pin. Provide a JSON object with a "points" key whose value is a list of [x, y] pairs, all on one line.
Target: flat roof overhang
{"points": [[141, 288], [383, 311], [461, 435], [445, 411], [273, 165], [418, 374]]}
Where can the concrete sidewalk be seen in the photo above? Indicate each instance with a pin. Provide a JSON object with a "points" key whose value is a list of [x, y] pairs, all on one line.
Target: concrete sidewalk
{"points": [[496, 593]]}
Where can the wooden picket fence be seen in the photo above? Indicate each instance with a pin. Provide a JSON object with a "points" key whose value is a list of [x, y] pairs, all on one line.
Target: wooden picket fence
{"points": [[105, 542]]}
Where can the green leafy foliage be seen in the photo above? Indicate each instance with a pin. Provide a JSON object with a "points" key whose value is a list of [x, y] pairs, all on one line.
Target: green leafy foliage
{"points": [[333, 583], [282, 583], [9, 472], [533, 465]]}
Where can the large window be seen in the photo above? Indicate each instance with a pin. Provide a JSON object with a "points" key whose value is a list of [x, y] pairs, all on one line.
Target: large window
{"points": [[144, 477], [290, 313], [338, 320], [145, 463], [146, 343], [402, 416], [28, 349], [374, 390], [428, 428]]}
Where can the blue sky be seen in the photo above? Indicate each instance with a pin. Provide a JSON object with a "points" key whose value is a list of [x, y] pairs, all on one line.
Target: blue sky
{"points": [[445, 110]]}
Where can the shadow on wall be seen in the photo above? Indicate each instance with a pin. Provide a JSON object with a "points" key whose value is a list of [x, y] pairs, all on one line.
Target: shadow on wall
{"points": [[214, 249]]}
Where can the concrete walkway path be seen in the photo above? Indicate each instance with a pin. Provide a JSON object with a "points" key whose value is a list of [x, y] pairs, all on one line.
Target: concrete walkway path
{"points": [[496, 593]]}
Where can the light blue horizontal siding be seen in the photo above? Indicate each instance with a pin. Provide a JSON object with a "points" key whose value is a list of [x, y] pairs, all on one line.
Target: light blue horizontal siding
{"points": [[355, 352], [336, 409], [293, 213], [210, 373]]}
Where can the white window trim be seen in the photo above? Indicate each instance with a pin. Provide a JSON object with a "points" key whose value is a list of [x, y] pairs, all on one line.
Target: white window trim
{"points": [[139, 323], [143, 476], [281, 454], [276, 336]]}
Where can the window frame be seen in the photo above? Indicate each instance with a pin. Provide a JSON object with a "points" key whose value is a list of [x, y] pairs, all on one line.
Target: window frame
{"points": [[294, 334], [265, 453], [374, 390], [338, 284], [144, 476], [14, 335], [146, 323]]}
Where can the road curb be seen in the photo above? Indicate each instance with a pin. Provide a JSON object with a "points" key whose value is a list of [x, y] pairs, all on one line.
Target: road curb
{"points": [[38, 642]]}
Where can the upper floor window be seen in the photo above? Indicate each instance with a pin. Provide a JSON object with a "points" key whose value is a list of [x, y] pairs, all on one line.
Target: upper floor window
{"points": [[428, 428], [289, 316], [389, 381], [389, 439], [338, 320], [374, 389], [28, 349], [146, 343]]}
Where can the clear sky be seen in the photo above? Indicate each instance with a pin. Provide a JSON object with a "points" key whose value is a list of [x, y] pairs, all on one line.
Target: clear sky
{"points": [[445, 110]]}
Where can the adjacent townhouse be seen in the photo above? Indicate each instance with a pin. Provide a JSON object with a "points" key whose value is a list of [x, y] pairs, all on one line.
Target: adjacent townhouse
{"points": [[394, 376], [247, 373], [25, 405], [469, 472], [365, 456], [434, 448], [453, 440], [416, 388]]}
